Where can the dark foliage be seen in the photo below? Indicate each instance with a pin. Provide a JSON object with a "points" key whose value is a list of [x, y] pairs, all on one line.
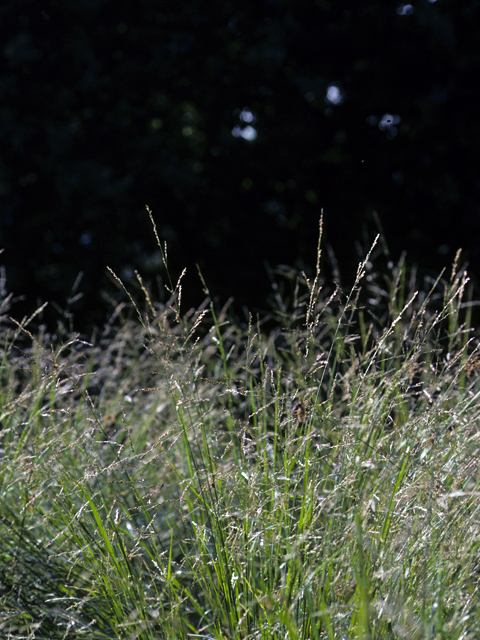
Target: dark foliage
{"points": [[363, 109]]}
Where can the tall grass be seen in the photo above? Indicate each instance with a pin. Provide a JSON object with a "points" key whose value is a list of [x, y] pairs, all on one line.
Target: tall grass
{"points": [[182, 475]]}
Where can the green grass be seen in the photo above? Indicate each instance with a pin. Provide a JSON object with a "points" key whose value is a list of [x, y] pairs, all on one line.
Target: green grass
{"points": [[183, 475]]}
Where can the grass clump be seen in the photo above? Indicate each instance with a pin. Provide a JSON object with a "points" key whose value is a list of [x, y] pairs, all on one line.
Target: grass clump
{"points": [[181, 475]]}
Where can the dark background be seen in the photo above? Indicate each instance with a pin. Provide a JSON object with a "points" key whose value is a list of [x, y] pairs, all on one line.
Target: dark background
{"points": [[368, 110]]}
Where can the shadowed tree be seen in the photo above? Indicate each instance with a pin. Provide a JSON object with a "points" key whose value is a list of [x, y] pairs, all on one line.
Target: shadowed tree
{"points": [[236, 124]]}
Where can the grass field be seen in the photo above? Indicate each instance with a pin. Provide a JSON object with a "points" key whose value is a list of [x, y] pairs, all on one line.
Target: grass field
{"points": [[183, 475]]}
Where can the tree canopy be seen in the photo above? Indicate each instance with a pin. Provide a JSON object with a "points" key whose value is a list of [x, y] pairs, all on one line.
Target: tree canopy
{"points": [[236, 123]]}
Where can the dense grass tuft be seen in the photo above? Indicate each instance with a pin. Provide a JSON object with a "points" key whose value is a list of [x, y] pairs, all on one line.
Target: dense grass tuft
{"points": [[183, 476]]}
